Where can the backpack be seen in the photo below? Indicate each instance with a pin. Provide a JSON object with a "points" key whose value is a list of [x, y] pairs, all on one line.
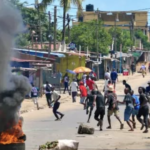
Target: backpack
{"points": [[48, 88]]}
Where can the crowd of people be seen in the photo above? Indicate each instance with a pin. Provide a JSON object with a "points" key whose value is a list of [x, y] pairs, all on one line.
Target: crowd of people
{"points": [[91, 96]]}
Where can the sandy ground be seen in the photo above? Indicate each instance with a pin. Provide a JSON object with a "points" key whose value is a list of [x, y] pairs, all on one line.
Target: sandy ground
{"points": [[41, 122]]}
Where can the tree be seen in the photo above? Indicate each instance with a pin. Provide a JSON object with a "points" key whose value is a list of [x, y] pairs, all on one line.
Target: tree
{"points": [[122, 37], [85, 34], [66, 5], [144, 39]]}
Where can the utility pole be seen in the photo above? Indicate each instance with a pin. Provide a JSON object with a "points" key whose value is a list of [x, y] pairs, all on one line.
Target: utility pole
{"points": [[55, 26], [115, 39], [39, 23], [49, 50], [64, 25], [97, 43], [68, 19], [120, 57]]}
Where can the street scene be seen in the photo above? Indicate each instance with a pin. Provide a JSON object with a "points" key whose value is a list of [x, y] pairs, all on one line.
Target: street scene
{"points": [[75, 75]]}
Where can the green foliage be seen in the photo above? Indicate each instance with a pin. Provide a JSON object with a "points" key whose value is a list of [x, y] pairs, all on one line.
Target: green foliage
{"points": [[31, 20], [144, 39], [85, 34], [122, 37]]}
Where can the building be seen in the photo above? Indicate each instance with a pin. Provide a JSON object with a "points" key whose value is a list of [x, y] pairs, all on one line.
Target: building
{"points": [[123, 19]]}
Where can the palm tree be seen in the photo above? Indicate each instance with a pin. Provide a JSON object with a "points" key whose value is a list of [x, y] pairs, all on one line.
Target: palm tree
{"points": [[66, 5]]}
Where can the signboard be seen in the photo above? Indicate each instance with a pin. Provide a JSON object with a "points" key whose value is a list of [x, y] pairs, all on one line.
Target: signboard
{"points": [[72, 46]]}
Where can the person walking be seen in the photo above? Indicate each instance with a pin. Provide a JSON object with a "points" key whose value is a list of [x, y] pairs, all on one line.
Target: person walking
{"points": [[74, 90], [113, 107], [107, 74], [90, 103], [114, 77], [56, 98], [100, 109], [128, 100], [143, 69], [48, 93], [34, 94], [136, 103], [105, 90], [83, 93], [132, 68], [144, 110], [126, 85], [66, 83]]}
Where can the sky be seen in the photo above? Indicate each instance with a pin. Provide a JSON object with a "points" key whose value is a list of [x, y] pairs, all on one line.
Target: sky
{"points": [[102, 5]]}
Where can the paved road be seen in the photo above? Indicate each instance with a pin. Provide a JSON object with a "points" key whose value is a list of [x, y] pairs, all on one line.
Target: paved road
{"points": [[40, 127], [44, 128]]}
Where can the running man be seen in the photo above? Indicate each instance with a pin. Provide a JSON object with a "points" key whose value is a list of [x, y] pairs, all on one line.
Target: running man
{"points": [[128, 100], [83, 93], [136, 103], [56, 98], [126, 85], [91, 84], [144, 110], [100, 109], [113, 107], [90, 104]]}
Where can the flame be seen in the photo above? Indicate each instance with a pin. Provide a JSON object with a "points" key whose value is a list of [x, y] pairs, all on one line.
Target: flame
{"points": [[12, 135]]}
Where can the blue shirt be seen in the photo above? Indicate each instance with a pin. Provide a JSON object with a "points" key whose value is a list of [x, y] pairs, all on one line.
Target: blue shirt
{"points": [[137, 102], [114, 75], [147, 89]]}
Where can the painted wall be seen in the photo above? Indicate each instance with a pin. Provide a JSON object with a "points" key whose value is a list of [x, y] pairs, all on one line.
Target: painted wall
{"points": [[70, 62]]}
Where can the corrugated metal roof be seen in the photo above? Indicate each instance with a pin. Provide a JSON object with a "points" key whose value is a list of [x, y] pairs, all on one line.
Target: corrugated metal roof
{"points": [[25, 60], [41, 52]]}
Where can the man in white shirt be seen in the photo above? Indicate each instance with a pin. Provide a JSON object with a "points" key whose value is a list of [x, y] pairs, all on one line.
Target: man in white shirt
{"points": [[105, 90], [74, 90], [107, 74], [34, 94], [56, 98]]}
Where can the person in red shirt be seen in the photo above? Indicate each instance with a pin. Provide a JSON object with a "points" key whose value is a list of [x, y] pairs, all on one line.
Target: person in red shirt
{"points": [[83, 92], [91, 84]]}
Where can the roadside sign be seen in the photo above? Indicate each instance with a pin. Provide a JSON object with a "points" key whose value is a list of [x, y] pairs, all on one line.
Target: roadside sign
{"points": [[72, 46]]}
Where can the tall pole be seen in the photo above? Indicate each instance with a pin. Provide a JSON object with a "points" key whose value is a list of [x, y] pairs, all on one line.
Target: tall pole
{"points": [[39, 24], [115, 39], [68, 19], [120, 57], [97, 43], [55, 26], [64, 25], [49, 50]]}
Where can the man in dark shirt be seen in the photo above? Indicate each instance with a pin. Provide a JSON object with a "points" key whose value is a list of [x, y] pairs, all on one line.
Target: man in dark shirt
{"points": [[144, 110], [132, 68], [113, 107], [114, 77], [90, 104], [148, 87], [100, 109], [126, 85]]}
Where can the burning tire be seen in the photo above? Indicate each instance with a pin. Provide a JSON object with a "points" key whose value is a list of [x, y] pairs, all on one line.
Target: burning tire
{"points": [[15, 146]]}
